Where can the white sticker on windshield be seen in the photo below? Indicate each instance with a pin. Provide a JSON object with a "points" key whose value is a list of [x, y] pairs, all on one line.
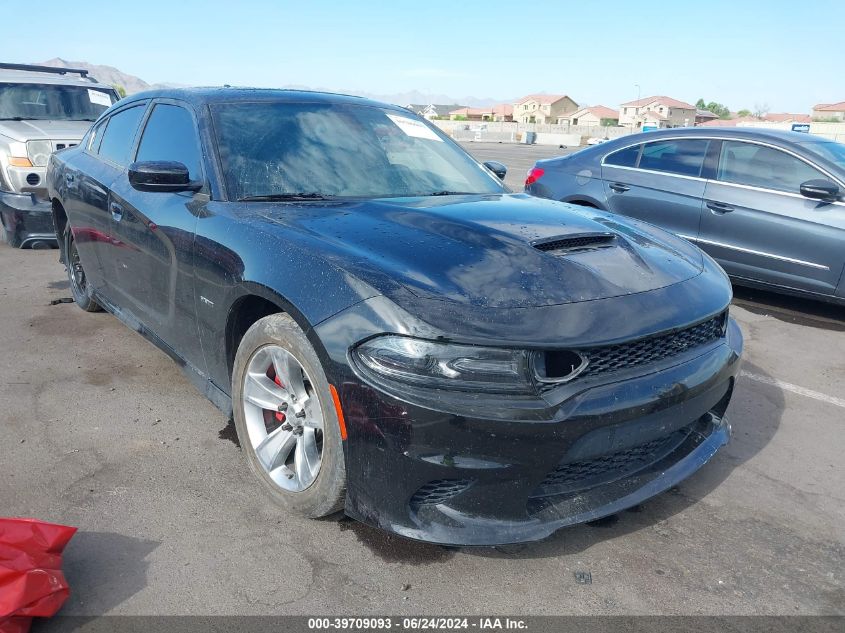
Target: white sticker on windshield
{"points": [[414, 128], [100, 98]]}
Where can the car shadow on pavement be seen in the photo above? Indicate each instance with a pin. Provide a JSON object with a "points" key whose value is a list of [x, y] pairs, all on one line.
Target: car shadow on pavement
{"points": [[797, 310], [753, 427], [104, 569]]}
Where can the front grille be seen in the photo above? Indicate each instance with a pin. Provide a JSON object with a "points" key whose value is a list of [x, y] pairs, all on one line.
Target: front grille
{"points": [[576, 475], [573, 478], [62, 145], [576, 242], [603, 360], [438, 491]]}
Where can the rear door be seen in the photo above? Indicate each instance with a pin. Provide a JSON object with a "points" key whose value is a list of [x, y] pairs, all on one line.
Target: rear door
{"points": [[659, 182], [758, 226], [154, 272], [88, 179]]}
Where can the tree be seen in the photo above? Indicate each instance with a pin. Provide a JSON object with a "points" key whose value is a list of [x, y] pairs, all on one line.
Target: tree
{"points": [[720, 110], [761, 110], [121, 91], [744, 112]]}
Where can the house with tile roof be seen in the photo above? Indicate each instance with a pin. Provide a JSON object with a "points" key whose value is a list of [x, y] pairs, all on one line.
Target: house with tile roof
{"points": [[662, 110], [787, 117], [542, 108], [771, 117], [829, 111], [703, 116], [597, 115], [498, 112]]}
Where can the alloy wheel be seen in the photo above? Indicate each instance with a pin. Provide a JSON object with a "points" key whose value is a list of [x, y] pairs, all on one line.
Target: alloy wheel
{"points": [[284, 419]]}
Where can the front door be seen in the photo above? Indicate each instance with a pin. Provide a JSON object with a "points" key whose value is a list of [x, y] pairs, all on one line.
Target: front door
{"points": [[758, 226], [154, 271]]}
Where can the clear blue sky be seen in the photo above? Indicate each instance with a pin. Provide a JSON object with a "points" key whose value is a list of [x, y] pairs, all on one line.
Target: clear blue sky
{"points": [[785, 54]]}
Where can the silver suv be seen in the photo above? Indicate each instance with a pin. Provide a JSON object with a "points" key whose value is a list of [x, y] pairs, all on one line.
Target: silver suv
{"points": [[42, 110]]}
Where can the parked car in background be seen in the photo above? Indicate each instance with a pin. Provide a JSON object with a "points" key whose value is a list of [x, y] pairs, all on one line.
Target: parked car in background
{"points": [[42, 110], [768, 205], [396, 334]]}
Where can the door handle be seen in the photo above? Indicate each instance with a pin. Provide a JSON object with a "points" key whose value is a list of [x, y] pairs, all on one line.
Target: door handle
{"points": [[719, 207], [116, 211], [618, 187]]}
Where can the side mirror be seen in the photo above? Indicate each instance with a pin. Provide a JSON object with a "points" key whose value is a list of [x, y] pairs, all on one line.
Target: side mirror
{"points": [[820, 189], [161, 176], [497, 168]]}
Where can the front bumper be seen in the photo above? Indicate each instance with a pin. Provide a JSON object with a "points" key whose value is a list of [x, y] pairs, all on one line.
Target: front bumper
{"points": [[26, 219], [520, 475]]}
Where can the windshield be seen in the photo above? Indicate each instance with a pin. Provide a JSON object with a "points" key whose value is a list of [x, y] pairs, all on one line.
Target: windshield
{"points": [[313, 150], [834, 152], [52, 102]]}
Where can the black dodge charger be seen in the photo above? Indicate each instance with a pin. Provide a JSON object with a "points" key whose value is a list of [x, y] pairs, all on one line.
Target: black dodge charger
{"points": [[396, 334]]}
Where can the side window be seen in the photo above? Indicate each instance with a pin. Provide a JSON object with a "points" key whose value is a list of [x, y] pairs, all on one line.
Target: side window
{"points": [[684, 157], [96, 136], [119, 134], [170, 135], [761, 166], [624, 157]]}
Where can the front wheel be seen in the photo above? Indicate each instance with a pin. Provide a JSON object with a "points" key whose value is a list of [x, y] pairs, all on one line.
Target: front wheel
{"points": [[285, 418], [79, 287]]}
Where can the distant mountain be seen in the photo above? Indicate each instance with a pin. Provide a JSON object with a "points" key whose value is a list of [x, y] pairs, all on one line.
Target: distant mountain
{"points": [[111, 75]]}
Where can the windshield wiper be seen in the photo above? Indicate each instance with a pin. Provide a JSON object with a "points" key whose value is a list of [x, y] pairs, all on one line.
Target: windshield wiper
{"points": [[450, 193], [281, 197]]}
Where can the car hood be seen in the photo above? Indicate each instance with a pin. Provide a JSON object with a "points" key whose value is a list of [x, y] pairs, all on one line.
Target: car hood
{"points": [[35, 130], [480, 250]]}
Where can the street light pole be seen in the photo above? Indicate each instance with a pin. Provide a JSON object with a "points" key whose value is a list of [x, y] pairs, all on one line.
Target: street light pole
{"points": [[637, 107]]}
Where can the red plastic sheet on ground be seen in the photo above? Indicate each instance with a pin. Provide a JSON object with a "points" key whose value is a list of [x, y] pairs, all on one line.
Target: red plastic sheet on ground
{"points": [[31, 580]]}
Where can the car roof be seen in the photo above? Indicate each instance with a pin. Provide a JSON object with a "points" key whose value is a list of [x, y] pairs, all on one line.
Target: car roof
{"points": [[229, 94], [35, 77], [785, 138]]}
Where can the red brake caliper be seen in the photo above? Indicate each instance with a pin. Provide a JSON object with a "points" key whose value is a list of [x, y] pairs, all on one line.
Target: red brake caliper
{"points": [[279, 415]]}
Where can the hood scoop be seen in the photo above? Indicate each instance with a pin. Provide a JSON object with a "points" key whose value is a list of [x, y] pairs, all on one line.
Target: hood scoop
{"points": [[563, 244]]}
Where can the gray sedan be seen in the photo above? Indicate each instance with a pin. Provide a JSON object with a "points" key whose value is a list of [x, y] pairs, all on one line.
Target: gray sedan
{"points": [[768, 205]]}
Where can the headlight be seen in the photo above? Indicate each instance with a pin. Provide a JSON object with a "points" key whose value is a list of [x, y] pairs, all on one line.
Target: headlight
{"points": [[444, 366], [39, 152]]}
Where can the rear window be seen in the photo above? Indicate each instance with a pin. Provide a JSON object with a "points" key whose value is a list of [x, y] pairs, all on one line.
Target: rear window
{"points": [[52, 102], [684, 157], [624, 157]]}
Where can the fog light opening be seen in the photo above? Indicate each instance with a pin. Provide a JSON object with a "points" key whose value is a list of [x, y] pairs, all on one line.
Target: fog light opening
{"points": [[559, 366]]}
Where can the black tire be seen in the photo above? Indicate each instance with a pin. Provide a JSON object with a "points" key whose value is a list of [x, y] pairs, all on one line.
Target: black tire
{"points": [[326, 495], [79, 287], [4, 236]]}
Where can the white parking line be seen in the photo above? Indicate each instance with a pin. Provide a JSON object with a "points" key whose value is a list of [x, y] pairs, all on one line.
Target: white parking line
{"points": [[788, 386]]}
